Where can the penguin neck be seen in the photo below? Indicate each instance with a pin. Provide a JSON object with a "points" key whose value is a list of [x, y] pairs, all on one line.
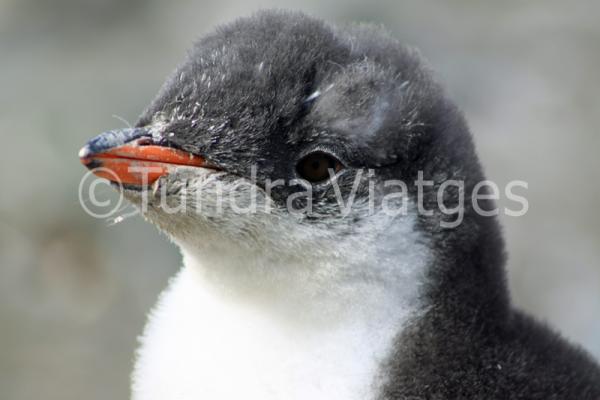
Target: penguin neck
{"points": [[296, 296], [470, 279], [319, 326]]}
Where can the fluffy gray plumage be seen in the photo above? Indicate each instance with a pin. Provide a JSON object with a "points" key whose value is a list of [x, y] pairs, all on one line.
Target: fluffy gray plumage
{"points": [[267, 89]]}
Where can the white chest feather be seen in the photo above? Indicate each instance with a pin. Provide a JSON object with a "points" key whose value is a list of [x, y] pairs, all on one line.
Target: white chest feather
{"points": [[313, 320], [197, 346]]}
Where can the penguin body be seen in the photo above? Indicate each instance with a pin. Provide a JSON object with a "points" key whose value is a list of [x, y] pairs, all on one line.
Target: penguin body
{"points": [[331, 303]]}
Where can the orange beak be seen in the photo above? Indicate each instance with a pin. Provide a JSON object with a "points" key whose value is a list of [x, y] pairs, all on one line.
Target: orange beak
{"points": [[129, 157]]}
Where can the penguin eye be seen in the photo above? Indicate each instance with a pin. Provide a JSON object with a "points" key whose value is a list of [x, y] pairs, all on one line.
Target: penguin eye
{"points": [[315, 167]]}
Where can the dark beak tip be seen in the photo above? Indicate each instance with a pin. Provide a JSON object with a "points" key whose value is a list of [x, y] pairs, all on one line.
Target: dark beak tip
{"points": [[91, 163]]}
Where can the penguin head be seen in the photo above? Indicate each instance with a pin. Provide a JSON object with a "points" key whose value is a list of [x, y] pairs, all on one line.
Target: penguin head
{"points": [[303, 131]]}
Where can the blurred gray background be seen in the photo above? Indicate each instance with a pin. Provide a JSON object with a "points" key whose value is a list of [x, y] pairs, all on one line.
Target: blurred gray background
{"points": [[74, 290]]}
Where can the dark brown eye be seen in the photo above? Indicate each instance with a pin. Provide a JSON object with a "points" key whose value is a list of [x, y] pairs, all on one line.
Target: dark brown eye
{"points": [[315, 166]]}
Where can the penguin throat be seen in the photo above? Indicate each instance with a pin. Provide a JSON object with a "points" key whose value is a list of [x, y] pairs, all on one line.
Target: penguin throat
{"points": [[283, 327]]}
